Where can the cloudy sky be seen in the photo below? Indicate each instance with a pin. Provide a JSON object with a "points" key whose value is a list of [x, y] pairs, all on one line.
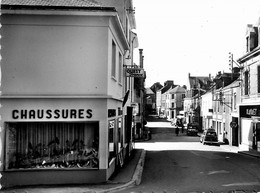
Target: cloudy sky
{"points": [[191, 36]]}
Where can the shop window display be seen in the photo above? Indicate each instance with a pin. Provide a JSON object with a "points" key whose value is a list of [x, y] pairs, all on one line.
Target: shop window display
{"points": [[111, 140], [52, 145]]}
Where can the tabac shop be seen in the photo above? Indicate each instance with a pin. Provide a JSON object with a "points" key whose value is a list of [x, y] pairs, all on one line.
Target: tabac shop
{"points": [[250, 126], [54, 141]]}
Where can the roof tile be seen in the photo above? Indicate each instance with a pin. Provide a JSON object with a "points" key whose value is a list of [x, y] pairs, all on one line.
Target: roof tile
{"points": [[66, 3]]}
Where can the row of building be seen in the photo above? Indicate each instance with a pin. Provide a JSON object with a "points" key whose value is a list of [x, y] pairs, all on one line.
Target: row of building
{"points": [[228, 103], [71, 94]]}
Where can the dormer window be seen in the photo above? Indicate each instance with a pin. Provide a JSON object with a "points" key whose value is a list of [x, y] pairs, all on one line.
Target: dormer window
{"points": [[252, 38]]}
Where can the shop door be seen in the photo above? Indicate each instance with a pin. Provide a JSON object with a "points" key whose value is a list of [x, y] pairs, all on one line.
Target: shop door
{"points": [[234, 128], [256, 135], [172, 114]]}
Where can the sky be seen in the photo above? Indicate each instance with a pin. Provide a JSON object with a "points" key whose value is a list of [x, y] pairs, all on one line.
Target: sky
{"points": [[191, 36]]}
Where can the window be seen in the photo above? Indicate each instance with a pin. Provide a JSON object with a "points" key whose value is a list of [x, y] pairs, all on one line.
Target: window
{"points": [[172, 96], [120, 134], [246, 82], [258, 79], [172, 105], [111, 140], [235, 101], [247, 44], [33, 145], [127, 28], [113, 73], [120, 69]]}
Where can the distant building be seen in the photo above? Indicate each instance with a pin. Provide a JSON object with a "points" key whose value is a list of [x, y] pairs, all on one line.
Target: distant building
{"points": [[196, 86], [150, 98], [161, 97], [174, 101]]}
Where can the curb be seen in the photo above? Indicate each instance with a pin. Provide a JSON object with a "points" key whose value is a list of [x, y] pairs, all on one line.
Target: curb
{"points": [[136, 179], [249, 154]]}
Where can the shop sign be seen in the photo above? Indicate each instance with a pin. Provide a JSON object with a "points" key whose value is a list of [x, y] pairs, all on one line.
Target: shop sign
{"points": [[34, 114], [135, 72], [250, 111], [233, 124]]}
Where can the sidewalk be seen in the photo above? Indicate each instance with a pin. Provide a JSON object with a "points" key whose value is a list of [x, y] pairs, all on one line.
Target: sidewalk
{"points": [[236, 149], [129, 175]]}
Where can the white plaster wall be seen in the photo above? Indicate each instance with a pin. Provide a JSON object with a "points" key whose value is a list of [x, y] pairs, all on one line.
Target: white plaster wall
{"points": [[51, 55]]}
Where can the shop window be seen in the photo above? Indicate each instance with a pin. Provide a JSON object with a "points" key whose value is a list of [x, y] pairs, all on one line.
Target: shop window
{"points": [[111, 140], [120, 134], [33, 145]]}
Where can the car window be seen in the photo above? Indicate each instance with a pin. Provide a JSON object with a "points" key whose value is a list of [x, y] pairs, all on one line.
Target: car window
{"points": [[211, 134]]}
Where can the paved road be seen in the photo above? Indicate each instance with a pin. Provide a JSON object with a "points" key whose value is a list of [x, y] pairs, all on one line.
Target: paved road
{"points": [[183, 164]]}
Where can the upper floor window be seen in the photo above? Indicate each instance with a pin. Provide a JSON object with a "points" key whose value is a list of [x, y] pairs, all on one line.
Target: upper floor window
{"points": [[172, 96], [127, 28], [235, 101], [246, 82], [120, 68], [113, 70], [258, 79]]}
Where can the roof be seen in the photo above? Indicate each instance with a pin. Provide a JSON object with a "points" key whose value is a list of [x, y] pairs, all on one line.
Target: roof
{"points": [[177, 89], [200, 82], [54, 4], [149, 91], [74, 3]]}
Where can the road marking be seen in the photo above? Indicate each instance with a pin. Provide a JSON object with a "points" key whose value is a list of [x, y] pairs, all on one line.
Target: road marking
{"points": [[218, 172], [242, 184]]}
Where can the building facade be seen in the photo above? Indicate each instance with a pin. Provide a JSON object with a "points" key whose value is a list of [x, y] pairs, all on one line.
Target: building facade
{"points": [[249, 108], [62, 90], [174, 102]]}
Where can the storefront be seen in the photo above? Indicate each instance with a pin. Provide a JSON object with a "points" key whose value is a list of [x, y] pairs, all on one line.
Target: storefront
{"points": [[250, 127], [60, 141]]}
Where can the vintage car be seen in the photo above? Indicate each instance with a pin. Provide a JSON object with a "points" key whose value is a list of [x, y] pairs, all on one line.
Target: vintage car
{"points": [[209, 136], [192, 129]]}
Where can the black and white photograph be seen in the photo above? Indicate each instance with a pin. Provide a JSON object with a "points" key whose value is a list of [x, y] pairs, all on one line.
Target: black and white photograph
{"points": [[130, 96]]}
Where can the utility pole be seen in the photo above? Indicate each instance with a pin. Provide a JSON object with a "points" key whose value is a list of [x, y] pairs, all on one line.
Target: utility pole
{"points": [[231, 64]]}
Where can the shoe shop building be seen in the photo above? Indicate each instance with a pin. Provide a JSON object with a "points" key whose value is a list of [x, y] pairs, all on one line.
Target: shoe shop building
{"points": [[62, 88]]}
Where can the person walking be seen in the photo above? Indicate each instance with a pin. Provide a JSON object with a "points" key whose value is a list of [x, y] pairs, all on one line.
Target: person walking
{"points": [[177, 130]]}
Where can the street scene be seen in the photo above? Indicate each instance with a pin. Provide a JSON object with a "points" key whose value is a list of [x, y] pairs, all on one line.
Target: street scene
{"points": [[183, 164]]}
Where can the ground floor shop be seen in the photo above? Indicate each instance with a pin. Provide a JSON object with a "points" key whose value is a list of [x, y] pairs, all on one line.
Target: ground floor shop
{"points": [[61, 141], [250, 127]]}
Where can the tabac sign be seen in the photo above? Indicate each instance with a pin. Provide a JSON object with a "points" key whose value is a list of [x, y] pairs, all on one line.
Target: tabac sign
{"points": [[135, 72]]}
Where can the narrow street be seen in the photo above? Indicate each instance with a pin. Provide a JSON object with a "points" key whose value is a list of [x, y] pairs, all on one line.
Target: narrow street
{"points": [[182, 164]]}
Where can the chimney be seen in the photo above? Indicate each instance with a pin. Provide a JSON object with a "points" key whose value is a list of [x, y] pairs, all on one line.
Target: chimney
{"points": [[141, 57], [168, 82]]}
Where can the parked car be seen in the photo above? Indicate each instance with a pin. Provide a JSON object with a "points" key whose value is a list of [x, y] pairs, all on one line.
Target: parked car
{"points": [[192, 129], [209, 136], [161, 116]]}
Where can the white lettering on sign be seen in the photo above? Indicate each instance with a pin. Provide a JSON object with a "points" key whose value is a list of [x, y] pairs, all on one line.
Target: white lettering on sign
{"points": [[251, 111], [135, 72]]}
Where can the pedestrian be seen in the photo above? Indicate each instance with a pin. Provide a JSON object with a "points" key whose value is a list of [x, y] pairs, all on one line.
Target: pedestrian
{"points": [[177, 130]]}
